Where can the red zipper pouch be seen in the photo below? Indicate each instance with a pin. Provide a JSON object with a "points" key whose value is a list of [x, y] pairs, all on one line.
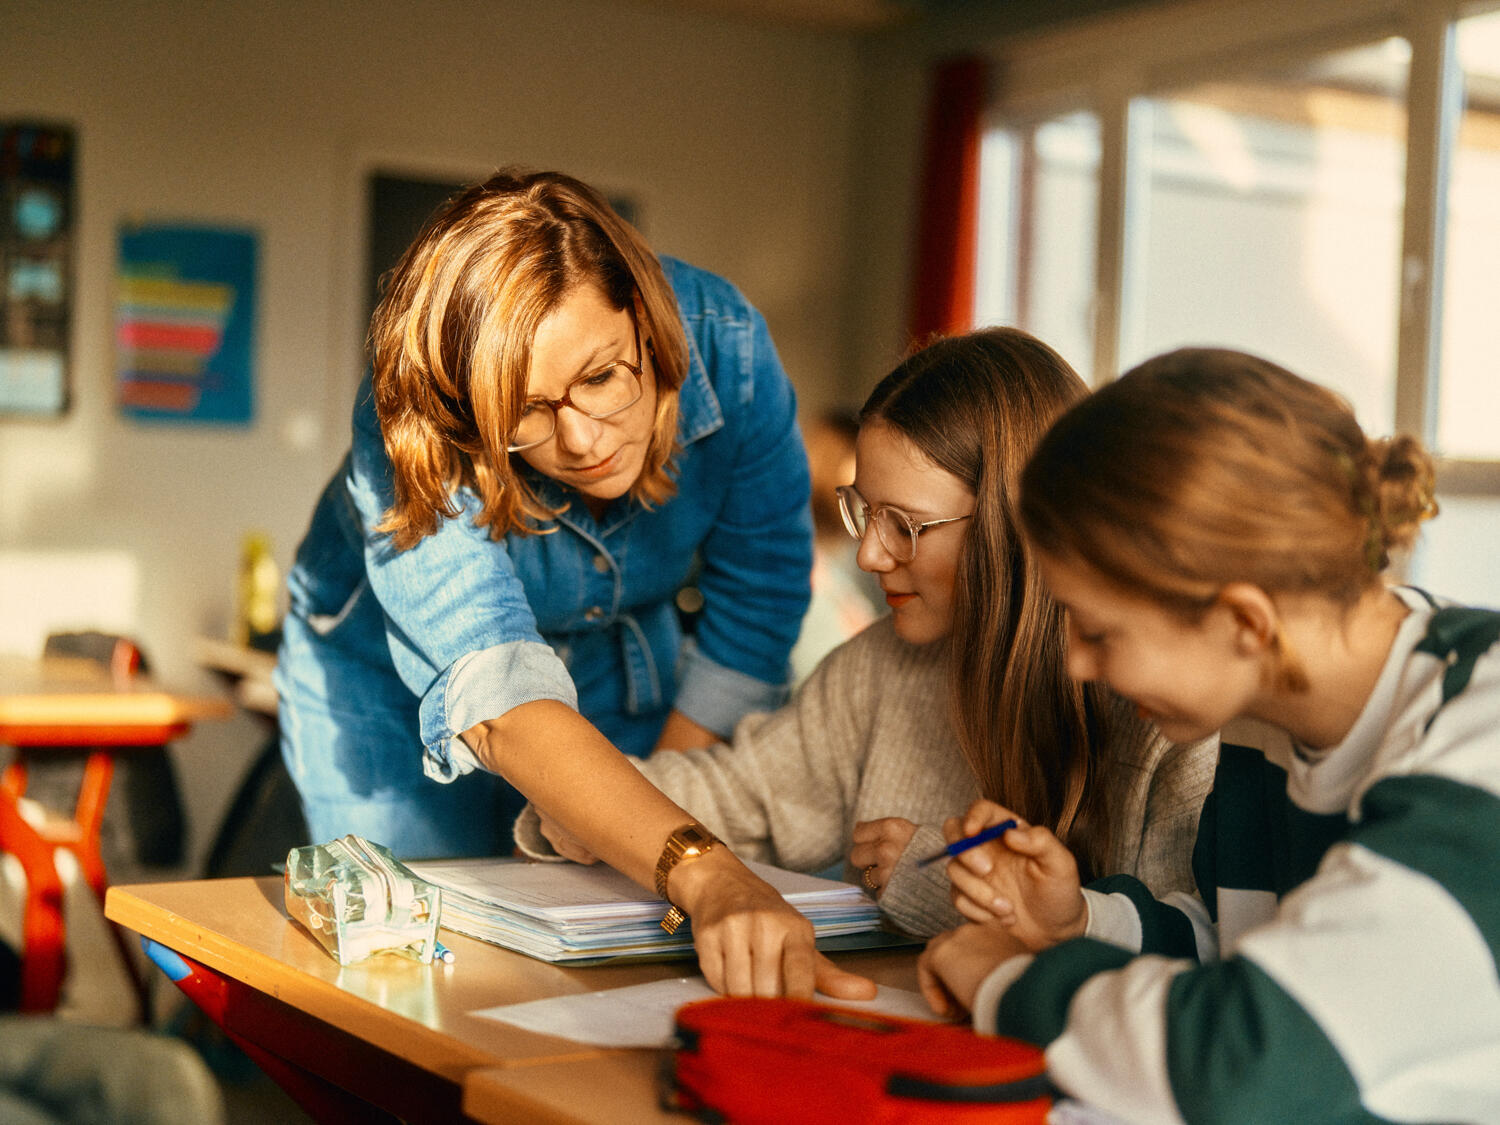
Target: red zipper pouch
{"points": [[759, 1062]]}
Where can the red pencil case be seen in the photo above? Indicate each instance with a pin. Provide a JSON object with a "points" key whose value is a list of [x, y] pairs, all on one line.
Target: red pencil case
{"points": [[769, 1062]]}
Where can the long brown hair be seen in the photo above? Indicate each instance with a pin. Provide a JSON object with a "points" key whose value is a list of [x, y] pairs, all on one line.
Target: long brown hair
{"points": [[451, 342], [1205, 466], [1037, 742]]}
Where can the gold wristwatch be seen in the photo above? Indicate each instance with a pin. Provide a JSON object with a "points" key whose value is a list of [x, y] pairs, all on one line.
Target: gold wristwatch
{"points": [[688, 842]]}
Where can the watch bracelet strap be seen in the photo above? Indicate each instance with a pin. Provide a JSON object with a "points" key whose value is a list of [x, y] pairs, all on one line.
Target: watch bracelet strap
{"points": [[661, 882], [675, 916]]}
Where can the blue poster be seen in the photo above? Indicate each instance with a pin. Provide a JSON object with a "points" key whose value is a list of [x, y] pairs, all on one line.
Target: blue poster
{"points": [[185, 324]]}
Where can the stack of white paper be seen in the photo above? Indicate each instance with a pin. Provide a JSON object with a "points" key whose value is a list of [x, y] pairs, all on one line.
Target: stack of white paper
{"points": [[568, 912]]}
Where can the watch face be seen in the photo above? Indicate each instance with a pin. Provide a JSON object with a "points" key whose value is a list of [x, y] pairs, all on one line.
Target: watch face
{"points": [[696, 838]]}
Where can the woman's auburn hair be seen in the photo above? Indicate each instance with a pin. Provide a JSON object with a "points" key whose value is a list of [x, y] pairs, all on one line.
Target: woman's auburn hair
{"points": [[1206, 466], [1037, 742], [451, 339]]}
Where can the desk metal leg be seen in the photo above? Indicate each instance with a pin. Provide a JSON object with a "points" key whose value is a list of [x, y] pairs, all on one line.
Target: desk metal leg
{"points": [[43, 931], [274, 1034]]}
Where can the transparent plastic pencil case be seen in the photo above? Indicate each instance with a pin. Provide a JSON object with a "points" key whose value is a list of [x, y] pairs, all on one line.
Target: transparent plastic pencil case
{"points": [[358, 900]]}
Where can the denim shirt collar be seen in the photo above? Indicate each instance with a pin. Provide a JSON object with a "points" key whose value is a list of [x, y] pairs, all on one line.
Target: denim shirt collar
{"points": [[698, 410]]}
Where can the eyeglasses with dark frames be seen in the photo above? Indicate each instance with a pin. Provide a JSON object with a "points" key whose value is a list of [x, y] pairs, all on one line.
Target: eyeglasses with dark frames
{"points": [[897, 531], [599, 394]]}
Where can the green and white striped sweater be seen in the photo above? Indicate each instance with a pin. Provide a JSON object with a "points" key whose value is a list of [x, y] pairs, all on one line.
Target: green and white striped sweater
{"points": [[1341, 965]]}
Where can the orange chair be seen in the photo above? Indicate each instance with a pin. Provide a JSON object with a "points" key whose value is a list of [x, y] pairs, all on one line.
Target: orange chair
{"points": [[34, 841]]}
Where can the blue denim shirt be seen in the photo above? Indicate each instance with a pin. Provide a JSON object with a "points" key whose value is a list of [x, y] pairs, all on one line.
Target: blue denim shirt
{"points": [[475, 626]]}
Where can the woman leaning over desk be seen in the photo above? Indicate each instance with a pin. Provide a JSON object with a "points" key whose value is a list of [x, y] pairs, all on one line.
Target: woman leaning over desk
{"points": [[557, 425]]}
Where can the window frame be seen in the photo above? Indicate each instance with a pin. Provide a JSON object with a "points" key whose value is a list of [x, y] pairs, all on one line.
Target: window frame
{"points": [[1102, 65]]}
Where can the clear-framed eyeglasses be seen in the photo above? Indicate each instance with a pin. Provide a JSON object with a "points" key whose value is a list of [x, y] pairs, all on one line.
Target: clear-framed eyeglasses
{"points": [[599, 394], [896, 530]]}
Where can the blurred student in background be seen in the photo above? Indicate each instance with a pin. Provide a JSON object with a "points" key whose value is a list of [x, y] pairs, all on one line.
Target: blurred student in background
{"points": [[845, 599]]}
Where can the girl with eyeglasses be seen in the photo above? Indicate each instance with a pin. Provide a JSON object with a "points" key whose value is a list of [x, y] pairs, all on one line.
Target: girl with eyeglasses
{"points": [[962, 690], [558, 428], [1218, 530]]}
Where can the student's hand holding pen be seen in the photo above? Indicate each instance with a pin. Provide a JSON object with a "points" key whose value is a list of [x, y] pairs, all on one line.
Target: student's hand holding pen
{"points": [[1026, 881]]}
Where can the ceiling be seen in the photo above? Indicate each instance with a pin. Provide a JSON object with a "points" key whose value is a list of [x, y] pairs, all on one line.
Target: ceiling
{"points": [[837, 15], [961, 17]]}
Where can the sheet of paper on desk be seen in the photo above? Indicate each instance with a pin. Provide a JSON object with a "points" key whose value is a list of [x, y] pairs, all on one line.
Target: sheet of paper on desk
{"points": [[642, 1015]]}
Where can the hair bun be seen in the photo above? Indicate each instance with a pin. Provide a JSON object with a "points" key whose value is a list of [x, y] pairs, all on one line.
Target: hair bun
{"points": [[1404, 485]]}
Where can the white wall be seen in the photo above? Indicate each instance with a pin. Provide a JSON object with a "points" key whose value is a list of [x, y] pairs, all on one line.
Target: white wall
{"points": [[884, 197], [735, 140]]}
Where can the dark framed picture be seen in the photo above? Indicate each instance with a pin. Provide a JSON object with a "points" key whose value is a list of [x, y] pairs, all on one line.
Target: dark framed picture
{"points": [[37, 166]]}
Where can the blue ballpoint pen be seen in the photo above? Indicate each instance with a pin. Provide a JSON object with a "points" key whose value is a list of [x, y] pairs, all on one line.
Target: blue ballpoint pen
{"points": [[441, 952], [994, 832]]}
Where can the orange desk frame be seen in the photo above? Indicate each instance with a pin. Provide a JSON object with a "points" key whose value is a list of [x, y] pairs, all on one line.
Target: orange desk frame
{"points": [[74, 703]]}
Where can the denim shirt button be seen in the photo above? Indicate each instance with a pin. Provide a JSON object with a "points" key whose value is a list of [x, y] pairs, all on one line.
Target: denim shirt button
{"points": [[601, 563], [593, 613]]}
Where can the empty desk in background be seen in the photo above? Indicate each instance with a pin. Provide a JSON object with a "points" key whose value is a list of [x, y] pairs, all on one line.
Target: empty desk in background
{"points": [[62, 703], [398, 1034]]}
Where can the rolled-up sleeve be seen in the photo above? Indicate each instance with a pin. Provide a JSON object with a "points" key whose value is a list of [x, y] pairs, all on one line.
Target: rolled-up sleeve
{"points": [[716, 696], [461, 632], [481, 686]]}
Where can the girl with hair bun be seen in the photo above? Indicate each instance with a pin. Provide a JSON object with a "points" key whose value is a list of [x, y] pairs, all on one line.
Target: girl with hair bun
{"points": [[1218, 530]]}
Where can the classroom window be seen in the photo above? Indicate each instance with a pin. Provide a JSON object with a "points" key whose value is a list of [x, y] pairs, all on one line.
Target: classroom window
{"points": [[1039, 198], [1268, 218], [1468, 390], [1316, 186]]}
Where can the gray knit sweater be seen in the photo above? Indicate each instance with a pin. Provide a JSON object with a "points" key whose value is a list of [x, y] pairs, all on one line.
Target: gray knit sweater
{"points": [[867, 736]]}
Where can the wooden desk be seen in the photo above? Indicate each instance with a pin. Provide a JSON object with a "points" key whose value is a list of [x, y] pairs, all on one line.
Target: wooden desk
{"points": [[68, 702], [60, 702], [400, 1034]]}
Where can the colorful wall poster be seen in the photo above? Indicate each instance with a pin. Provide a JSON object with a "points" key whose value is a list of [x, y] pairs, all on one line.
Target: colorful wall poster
{"points": [[36, 274], [184, 324]]}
